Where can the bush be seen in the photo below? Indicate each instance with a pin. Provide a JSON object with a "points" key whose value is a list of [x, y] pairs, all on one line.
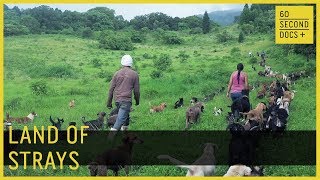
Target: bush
{"points": [[163, 62], [138, 37], [87, 33], [14, 103], [172, 39], [147, 56], [156, 74], [196, 30], [77, 91], [105, 75], [253, 60], [183, 56], [235, 50], [59, 71], [96, 63], [13, 29], [68, 31], [151, 93], [115, 42], [39, 88], [224, 37]]}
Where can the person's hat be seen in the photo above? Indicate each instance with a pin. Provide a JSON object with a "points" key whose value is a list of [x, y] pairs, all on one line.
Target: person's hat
{"points": [[126, 60]]}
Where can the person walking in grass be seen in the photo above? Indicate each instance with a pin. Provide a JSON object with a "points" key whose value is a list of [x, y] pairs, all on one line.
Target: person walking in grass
{"points": [[238, 83], [122, 84]]}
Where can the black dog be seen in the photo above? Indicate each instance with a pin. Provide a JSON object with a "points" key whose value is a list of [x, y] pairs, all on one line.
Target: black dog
{"points": [[95, 125], [72, 123], [240, 105], [242, 146], [57, 124], [179, 103], [193, 100]]}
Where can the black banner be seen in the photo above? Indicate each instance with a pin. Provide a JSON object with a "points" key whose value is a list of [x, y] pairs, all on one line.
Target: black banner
{"points": [[258, 148]]}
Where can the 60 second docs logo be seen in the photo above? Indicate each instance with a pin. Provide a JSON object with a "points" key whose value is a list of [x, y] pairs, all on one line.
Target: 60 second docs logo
{"points": [[294, 25]]}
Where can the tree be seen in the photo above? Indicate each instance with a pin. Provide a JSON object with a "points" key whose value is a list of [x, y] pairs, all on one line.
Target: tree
{"points": [[241, 37], [205, 23]]}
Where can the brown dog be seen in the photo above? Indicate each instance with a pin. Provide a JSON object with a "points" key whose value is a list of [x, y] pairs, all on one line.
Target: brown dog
{"points": [[262, 92], [257, 113], [159, 108], [26, 119], [193, 113], [72, 103], [116, 158]]}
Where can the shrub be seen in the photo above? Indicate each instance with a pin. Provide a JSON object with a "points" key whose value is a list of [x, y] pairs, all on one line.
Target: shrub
{"points": [[235, 50], [151, 93], [68, 31], [87, 33], [138, 37], [163, 62], [196, 30], [224, 37], [172, 39], [96, 62], [115, 42], [14, 103], [253, 60], [183, 56], [39, 88], [105, 75], [77, 91], [156, 74], [59, 71], [147, 56]]}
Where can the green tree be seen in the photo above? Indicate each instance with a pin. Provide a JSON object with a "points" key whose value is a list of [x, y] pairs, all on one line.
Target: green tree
{"points": [[241, 37], [206, 23]]}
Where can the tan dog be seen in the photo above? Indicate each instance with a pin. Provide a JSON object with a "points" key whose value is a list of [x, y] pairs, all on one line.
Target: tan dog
{"points": [[72, 103], [26, 119], [257, 113], [159, 108], [238, 170]]}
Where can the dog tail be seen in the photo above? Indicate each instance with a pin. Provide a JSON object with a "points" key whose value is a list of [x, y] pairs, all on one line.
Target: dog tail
{"points": [[174, 161], [7, 116], [83, 119], [52, 122]]}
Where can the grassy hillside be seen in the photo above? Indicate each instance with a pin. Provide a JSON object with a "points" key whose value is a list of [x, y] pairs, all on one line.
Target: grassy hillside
{"points": [[75, 68]]}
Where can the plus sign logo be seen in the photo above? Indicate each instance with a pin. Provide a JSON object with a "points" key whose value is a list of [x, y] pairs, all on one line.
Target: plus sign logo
{"points": [[302, 34]]}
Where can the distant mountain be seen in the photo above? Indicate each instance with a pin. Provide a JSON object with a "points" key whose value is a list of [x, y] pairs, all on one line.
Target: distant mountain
{"points": [[224, 18]]}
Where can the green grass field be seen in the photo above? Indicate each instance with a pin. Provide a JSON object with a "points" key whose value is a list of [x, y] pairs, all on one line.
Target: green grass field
{"points": [[29, 59]]}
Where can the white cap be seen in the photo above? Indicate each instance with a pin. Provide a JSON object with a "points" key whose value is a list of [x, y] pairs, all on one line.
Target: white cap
{"points": [[126, 60]]}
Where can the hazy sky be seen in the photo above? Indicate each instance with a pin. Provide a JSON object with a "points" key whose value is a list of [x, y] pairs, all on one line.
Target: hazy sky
{"points": [[129, 11]]}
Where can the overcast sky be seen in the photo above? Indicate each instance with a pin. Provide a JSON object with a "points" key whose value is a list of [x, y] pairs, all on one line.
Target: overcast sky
{"points": [[129, 11]]}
